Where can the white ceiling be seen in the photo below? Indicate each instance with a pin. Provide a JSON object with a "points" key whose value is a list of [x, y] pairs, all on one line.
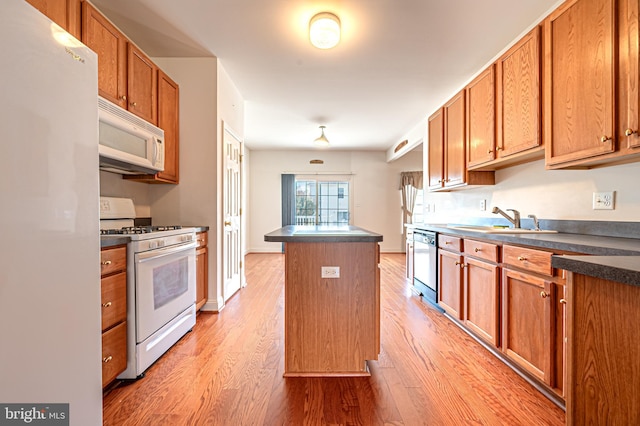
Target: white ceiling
{"points": [[398, 61]]}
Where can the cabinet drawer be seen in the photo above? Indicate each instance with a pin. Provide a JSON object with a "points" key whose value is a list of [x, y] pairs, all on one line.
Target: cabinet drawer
{"points": [[113, 260], [202, 238], [114, 299], [481, 250], [533, 260], [448, 242], [114, 353]]}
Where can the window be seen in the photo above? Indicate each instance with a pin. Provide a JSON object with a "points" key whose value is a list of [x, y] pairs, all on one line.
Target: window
{"points": [[325, 201]]}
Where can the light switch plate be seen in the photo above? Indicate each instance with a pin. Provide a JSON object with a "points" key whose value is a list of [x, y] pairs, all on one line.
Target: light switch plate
{"points": [[330, 272], [604, 200]]}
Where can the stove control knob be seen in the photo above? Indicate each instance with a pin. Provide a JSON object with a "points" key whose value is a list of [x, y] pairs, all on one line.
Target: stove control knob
{"points": [[153, 244], [161, 243]]}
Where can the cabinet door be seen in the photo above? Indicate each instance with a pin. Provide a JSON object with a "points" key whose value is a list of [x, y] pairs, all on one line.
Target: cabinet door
{"points": [[630, 71], [579, 81], [527, 328], [450, 283], [65, 13], [436, 150], [111, 47], [481, 299], [169, 121], [142, 85], [454, 141], [481, 114], [518, 97], [202, 276]]}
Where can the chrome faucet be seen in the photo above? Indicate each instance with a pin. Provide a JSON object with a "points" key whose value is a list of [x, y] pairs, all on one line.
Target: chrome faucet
{"points": [[536, 224], [516, 216]]}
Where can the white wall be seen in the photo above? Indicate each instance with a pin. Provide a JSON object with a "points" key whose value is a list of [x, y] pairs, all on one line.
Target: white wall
{"points": [[549, 194], [375, 190]]}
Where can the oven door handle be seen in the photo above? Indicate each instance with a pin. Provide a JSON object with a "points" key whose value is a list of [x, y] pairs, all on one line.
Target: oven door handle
{"points": [[154, 254]]}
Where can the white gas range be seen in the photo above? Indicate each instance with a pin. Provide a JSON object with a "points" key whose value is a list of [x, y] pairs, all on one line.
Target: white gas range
{"points": [[161, 283]]}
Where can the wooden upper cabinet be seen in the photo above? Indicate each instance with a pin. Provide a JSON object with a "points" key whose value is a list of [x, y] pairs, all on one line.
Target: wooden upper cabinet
{"points": [[481, 114], [142, 84], [110, 45], [454, 141], [436, 150], [169, 121], [65, 13], [518, 114], [629, 93], [580, 50]]}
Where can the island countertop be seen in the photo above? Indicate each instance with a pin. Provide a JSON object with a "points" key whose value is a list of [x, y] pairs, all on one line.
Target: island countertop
{"points": [[322, 234]]}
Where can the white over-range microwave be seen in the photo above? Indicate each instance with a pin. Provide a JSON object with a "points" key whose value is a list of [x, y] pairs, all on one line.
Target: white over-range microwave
{"points": [[127, 143]]}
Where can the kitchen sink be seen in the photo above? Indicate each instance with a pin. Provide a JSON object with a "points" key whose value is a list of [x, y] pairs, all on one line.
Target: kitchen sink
{"points": [[499, 230]]}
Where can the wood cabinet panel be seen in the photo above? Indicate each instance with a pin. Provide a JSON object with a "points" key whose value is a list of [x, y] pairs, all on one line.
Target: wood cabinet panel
{"points": [[142, 84], [602, 358], [110, 45], [450, 283], [331, 325], [629, 93], [532, 260], [482, 250], [454, 141], [518, 89], [113, 260], [114, 353], [65, 13], [481, 299], [481, 118], [527, 326], [169, 121], [436, 150], [114, 299], [580, 40], [449, 242], [202, 276]]}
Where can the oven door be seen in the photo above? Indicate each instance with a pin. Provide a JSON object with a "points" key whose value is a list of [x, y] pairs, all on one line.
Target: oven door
{"points": [[165, 286]]}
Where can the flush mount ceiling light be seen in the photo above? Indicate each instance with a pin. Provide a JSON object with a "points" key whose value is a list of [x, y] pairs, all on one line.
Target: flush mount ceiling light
{"points": [[324, 30], [322, 141]]}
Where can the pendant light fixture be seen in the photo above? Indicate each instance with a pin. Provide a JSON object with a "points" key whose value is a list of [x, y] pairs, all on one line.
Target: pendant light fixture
{"points": [[322, 141], [324, 30]]}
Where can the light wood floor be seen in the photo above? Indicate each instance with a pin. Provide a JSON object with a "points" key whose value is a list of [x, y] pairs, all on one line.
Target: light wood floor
{"points": [[228, 370]]}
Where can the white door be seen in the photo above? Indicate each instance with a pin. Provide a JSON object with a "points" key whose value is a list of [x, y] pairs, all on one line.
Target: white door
{"points": [[232, 250]]}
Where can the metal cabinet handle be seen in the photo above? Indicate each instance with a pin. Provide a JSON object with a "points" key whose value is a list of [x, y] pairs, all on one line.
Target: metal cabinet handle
{"points": [[107, 359], [489, 151], [522, 258], [123, 97], [106, 263], [106, 305], [499, 148], [629, 132], [544, 294], [605, 138], [563, 301], [133, 104], [227, 223], [477, 249]]}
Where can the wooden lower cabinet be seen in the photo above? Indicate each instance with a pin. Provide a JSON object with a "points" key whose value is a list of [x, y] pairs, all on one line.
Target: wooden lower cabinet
{"points": [[527, 323], [482, 290], [602, 360], [113, 282], [450, 282], [202, 269]]}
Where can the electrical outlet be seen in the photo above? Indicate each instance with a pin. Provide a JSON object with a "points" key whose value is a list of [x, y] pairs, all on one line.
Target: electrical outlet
{"points": [[330, 272], [604, 200], [483, 205]]}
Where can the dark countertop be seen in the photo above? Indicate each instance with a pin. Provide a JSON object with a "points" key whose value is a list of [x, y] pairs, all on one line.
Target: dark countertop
{"points": [[576, 243], [611, 258], [623, 269], [322, 234], [113, 240]]}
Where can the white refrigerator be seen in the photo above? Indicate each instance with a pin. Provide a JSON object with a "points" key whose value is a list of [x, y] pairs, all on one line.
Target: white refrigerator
{"points": [[50, 329]]}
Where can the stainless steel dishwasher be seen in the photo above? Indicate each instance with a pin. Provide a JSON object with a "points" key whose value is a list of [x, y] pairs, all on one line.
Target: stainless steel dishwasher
{"points": [[425, 265]]}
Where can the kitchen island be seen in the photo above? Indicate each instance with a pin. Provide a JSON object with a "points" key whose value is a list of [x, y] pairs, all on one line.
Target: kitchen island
{"points": [[332, 299]]}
